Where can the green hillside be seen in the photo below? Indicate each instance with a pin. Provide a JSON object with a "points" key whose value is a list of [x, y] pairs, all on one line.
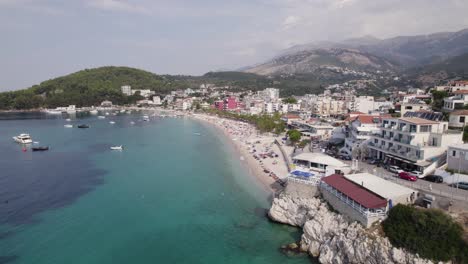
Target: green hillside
{"points": [[87, 87], [453, 67]]}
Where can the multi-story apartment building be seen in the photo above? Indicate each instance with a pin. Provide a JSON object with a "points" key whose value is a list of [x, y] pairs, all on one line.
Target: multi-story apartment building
{"points": [[126, 89], [413, 143], [327, 106], [359, 131], [413, 105]]}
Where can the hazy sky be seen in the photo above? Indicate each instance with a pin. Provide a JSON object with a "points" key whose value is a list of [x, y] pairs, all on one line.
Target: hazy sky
{"points": [[42, 39]]}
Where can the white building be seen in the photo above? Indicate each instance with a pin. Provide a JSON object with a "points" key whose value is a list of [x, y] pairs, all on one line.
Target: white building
{"points": [[413, 105], [320, 164], [359, 132], [458, 101], [156, 100], [145, 93], [412, 143], [458, 118], [271, 94], [363, 104], [457, 158], [126, 89]]}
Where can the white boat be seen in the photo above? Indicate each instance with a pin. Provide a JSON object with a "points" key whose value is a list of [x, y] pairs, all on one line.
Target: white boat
{"points": [[23, 139], [93, 112], [145, 118], [71, 109], [107, 113], [112, 122], [68, 119], [68, 125], [116, 147], [122, 111], [101, 117], [132, 123], [53, 112]]}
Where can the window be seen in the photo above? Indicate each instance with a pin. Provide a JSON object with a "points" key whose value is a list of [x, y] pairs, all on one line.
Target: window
{"points": [[412, 128], [425, 129], [376, 141], [462, 119], [454, 153], [409, 107]]}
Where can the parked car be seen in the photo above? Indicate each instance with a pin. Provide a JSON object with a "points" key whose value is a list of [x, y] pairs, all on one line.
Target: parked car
{"points": [[407, 176], [345, 157], [417, 174], [460, 185], [434, 178], [395, 169]]}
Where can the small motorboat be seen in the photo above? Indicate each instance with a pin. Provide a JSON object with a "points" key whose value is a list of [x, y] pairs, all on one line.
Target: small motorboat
{"points": [[40, 148], [112, 122], [101, 117], [93, 112], [132, 123], [116, 147], [196, 133], [145, 118], [68, 125], [83, 126], [68, 119], [23, 139]]}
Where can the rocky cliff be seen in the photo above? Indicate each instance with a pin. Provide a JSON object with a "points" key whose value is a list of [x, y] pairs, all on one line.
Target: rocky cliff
{"points": [[331, 238]]}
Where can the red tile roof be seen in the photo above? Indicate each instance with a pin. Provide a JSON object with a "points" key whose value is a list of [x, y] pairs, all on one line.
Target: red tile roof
{"points": [[356, 192], [292, 116], [461, 92]]}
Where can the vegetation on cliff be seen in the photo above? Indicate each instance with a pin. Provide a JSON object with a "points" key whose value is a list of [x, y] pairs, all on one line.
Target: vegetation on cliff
{"points": [[430, 233]]}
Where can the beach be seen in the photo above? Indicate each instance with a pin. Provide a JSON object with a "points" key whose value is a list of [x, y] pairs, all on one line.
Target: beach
{"points": [[269, 167]]}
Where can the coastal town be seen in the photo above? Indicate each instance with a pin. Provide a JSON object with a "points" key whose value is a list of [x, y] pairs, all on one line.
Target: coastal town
{"points": [[359, 154]]}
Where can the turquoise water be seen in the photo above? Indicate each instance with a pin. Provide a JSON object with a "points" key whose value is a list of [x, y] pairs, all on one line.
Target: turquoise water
{"points": [[170, 197]]}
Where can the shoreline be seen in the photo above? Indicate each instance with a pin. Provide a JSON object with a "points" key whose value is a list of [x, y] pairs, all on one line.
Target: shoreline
{"points": [[242, 146]]}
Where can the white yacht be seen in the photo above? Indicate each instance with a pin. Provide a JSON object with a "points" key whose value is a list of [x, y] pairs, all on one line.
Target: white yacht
{"points": [[23, 139], [101, 117], [145, 118], [71, 109], [68, 125], [112, 122], [93, 112]]}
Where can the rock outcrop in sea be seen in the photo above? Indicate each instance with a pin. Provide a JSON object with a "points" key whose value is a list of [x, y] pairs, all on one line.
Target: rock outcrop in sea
{"points": [[331, 238]]}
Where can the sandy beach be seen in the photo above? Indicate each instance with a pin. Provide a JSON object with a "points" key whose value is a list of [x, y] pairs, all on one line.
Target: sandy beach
{"points": [[259, 153]]}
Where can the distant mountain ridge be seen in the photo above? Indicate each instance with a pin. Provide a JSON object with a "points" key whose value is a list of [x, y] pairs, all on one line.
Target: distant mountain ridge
{"points": [[309, 61], [402, 52]]}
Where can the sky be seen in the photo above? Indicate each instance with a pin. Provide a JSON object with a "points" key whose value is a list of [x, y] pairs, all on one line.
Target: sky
{"points": [[43, 39]]}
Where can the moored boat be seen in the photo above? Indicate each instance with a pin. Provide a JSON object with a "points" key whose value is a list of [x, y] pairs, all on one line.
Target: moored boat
{"points": [[40, 148], [116, 147], [68, 125], [83, 126], [23, 139]]}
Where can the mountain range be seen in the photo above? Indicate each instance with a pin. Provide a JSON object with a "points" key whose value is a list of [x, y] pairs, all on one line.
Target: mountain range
{"points": [[368, 53]]}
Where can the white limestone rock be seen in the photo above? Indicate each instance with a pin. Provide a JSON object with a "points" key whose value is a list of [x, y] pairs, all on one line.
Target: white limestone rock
{"points": [[330, 237]]}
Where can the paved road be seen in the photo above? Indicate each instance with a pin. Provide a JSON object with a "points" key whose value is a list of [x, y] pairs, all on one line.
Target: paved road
{"points": [[439, 189]]}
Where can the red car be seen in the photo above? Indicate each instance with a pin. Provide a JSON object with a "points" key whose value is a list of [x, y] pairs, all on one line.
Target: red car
{"points": [[407, 176]]}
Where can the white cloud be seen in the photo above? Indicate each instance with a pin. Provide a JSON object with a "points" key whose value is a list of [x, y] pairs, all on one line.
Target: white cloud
{"points": [[290, 22], [118, 5]]}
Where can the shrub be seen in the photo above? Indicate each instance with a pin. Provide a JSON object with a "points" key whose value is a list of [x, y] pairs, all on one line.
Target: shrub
{"points": [[430, 233]]}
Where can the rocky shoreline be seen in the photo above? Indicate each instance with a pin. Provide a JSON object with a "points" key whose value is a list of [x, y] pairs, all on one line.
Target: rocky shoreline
{"points": [[331, 238]]}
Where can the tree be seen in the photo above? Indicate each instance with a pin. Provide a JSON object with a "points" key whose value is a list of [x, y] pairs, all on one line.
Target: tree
{"points": [[430, 233], [438, 99], [294, 136], [289, 100]]}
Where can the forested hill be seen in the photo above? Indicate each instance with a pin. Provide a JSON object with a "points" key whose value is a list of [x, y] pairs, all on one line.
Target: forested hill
{"points": [[87, 87], [92, 86]]}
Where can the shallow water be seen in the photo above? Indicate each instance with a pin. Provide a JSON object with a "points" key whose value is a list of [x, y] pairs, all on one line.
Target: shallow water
{"points": [[170, 197]]}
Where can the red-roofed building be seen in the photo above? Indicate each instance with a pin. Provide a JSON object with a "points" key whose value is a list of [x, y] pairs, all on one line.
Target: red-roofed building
{"points": [[353, 200]]}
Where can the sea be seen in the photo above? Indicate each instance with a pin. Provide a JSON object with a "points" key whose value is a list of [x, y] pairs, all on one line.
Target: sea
{"points": [[177, 193]]}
